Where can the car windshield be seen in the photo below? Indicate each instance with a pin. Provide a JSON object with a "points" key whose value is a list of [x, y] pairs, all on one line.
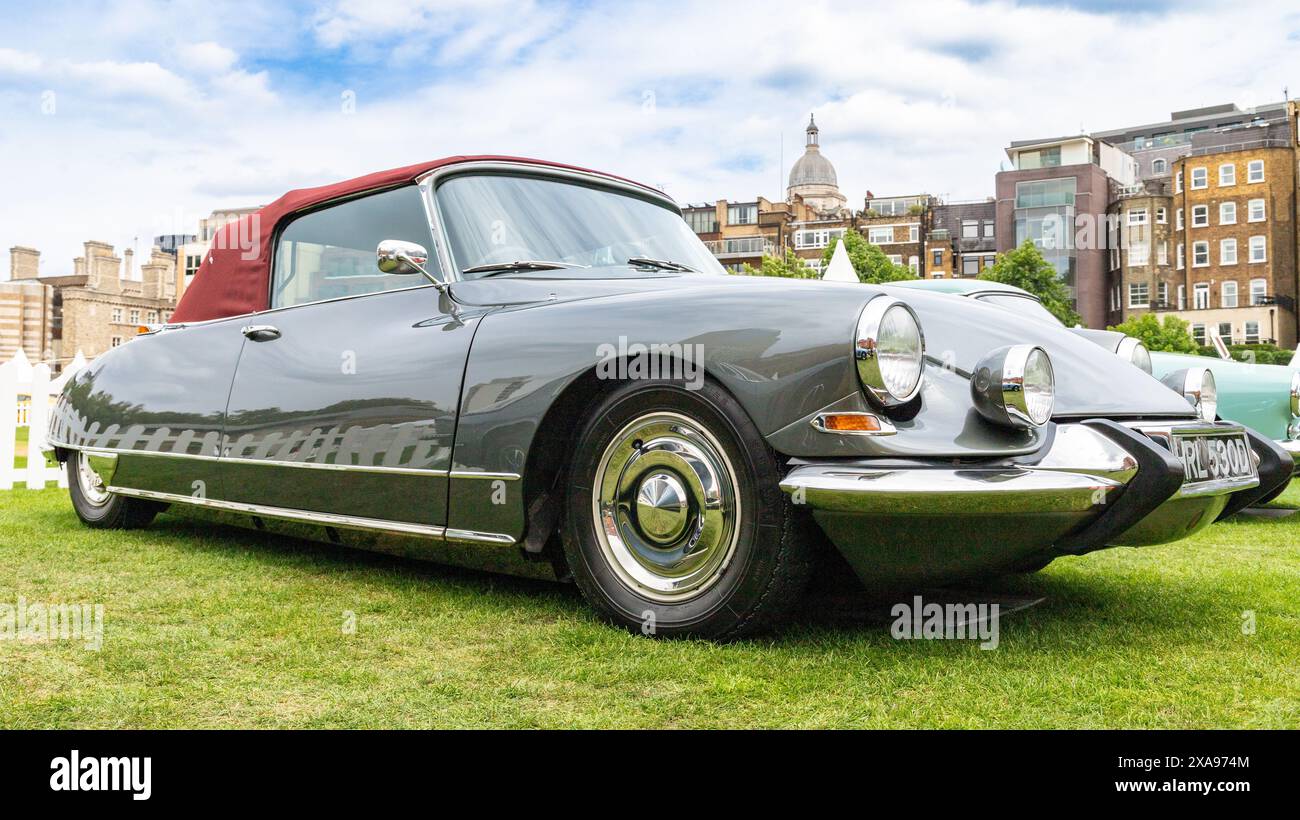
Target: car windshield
{"points": [[1023, 305], [497, 219]]}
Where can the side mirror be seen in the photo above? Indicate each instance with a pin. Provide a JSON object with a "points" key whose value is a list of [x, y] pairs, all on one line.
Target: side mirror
{"points": [[401, 258]]}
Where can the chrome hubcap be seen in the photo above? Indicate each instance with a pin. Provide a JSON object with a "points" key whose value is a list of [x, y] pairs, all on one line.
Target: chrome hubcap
{"points": [[92, 486], [665, 507]]}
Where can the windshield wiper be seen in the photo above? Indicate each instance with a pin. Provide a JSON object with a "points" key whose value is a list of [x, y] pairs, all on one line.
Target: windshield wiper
{"points": [[522, 264], [660, 264]]}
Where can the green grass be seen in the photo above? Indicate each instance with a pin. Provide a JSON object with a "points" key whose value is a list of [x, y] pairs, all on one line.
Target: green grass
{"points": [[20, 450], [224, 628]]}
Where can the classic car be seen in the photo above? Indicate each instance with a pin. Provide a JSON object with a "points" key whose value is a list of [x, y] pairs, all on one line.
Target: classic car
{"points": [[1265, 398], [540, 369]]}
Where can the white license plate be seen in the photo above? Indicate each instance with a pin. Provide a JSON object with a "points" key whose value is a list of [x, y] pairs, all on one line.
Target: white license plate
{"points": [[1215, 458]]}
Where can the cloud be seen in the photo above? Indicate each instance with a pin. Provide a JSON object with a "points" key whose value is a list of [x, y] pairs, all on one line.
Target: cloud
{"points": [[169, 108]]}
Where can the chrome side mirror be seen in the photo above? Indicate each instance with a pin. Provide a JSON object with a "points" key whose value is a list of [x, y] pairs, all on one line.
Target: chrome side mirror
{"points": [[401, 258]]}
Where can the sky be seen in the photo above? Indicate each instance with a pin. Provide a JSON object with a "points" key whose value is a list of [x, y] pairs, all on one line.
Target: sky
{"points": [[123, 120]]}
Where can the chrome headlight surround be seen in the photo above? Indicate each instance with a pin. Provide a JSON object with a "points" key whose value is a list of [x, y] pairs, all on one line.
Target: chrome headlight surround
{"points": [[1015, 386], [1196, 384], [1295, 394], [889, 352], [1133, 351]]}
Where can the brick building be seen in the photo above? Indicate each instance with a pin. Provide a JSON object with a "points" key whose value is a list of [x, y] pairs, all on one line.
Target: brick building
{"points": [[26, 308]]}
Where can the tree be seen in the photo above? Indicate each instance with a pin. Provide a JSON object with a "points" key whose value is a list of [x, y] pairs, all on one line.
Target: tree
{"points": [[790, 267], [1026, 268], [869, 262], [1171, 336]]}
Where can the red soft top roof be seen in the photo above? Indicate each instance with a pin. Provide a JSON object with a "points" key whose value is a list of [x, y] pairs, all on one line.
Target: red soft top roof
{"points": [[234, 277]]}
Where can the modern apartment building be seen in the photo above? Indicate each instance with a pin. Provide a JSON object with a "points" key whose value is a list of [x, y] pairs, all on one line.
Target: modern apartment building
{"points": [[1057, 195]]}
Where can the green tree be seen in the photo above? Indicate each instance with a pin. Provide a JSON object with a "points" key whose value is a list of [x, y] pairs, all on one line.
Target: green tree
{"points": [[789, 267], [1171, 335], [869, 262], [1026, 268]]}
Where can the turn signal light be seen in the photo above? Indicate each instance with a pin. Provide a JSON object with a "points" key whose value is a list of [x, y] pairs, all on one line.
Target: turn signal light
{"points": [[863, 424]]}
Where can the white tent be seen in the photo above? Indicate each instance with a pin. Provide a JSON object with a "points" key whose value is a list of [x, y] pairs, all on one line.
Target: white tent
{"points": [[840, 269]]}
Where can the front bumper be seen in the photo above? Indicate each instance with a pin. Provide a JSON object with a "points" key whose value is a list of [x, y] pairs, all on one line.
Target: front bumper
{"points": [[1292, 447], [1097, 483]]}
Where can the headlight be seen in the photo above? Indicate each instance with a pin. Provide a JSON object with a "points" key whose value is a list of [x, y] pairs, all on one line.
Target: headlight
{"points": [[889, 351], [1014, 386], [1295, 393], [1196, 384], [1132, 350]]}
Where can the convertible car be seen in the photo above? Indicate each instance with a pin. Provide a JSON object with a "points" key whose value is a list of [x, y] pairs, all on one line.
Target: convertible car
{"points": [[540, 369]]}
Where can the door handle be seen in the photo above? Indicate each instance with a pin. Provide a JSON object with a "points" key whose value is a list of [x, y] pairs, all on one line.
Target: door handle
{"points": [[260, 333]]}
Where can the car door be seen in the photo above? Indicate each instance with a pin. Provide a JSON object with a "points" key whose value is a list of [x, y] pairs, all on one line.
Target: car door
{"points": [[344, 399]]}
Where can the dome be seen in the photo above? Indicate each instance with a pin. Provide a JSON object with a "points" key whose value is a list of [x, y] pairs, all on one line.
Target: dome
{"points": [[813, 169]]}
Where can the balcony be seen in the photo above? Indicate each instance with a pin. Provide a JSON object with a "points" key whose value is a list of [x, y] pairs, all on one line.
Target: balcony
{"points": [[741, 246]]}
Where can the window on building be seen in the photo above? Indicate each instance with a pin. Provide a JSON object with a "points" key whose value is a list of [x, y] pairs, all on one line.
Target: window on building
{"points": [[1162, 294], [1162, 215], [742, 214], [1227, 251], [1137, 216], [115, 341], [1227, 213], [1201, 216], [913, 233], [1046, 193], [1139, 295], [1258, 291], [1252, 333], [970, 266], [1178, 182], [988, 229], [880, 236], [1162, 254], [1182, 297], [1201, 296], [1041, 158], [1178, 219], [117, 316], [970, 229], [192, 264], [1159, 166], [134, 316], [1228, 294], [1227, 174], [936, 258], [1200, 178], [1139, 253], [1255, 211], [701, 220], [1255, 171], [816, 238], [1225, 332], [1114, 298], [914, 265], [1200, 254], [330, 253], [1258, 249], [1198, 334], [1180, 261], [152, 317]]}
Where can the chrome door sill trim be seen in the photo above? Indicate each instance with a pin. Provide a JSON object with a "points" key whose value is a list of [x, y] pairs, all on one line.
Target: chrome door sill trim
{"points": [[266, 462], [324, 519], [482, 474], [474, 537]]}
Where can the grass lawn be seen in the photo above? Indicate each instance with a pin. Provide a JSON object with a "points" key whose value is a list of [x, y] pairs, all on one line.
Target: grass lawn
{"points": [[226, 628], [20, 450]]}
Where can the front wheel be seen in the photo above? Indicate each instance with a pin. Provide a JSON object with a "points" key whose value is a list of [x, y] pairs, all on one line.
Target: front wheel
{"points": [[97, 507], [676, 524]]}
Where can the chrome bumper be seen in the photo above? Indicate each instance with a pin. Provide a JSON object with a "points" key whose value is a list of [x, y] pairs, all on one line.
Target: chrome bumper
{"points": [[1098, 483], [1293, 447]]}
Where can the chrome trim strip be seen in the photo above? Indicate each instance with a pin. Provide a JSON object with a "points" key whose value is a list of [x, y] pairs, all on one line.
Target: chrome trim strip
{"points": [[818, 423], [1293, 447], [475, 537], [325, 519], [265, 462], [483, 474]]}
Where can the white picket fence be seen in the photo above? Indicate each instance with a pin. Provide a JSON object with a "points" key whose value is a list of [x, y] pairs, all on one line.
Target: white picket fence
{"points": [[26, 395]]}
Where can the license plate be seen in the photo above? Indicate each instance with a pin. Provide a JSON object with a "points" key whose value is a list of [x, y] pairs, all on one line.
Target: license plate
{"points": [[1222, 458]]}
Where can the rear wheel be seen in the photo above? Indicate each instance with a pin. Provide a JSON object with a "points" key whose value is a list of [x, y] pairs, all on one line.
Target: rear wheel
{"points": [[97, 507], [675, 521]]}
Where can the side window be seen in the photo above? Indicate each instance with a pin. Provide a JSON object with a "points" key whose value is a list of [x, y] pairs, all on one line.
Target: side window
{"points": [[330, 253]]}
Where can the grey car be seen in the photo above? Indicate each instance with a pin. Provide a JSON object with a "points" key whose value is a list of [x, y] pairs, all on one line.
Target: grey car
{"points": [[539, 369]]}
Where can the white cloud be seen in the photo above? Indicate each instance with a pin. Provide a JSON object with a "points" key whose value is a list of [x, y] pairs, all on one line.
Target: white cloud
{"points": [[695, 97]]}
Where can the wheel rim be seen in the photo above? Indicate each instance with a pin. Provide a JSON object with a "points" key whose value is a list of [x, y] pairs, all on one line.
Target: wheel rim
{"points": [[92, 486], [665, 507]]}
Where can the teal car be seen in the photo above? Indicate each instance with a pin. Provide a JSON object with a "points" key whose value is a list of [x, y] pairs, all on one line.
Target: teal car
{"points": [[1263, 397]]}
